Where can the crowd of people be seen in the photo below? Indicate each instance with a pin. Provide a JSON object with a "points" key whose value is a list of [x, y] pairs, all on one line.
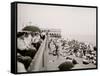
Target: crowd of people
{"points": [[66, 48], [28, 44]]}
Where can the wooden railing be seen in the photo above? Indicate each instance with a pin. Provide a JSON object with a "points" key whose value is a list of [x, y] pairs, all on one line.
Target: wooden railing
{"points": [[37, 63]]}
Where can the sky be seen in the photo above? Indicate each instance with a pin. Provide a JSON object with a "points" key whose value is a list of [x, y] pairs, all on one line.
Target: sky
{"points": [[71, 20]]}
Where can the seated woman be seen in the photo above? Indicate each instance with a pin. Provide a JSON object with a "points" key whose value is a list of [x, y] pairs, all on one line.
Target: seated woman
{"points": [[25, 53], [24, 46]]}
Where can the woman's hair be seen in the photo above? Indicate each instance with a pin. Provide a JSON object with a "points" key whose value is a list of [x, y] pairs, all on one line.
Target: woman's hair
{"points": [[19, 34], [26, 34]]}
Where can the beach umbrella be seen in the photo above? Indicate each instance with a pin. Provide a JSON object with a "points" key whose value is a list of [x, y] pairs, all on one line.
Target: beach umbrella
{"points": [[31, 28], [66, 66]]}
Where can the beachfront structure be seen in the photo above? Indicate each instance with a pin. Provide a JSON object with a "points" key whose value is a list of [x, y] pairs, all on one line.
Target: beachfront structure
{"points": [[52, 32]]}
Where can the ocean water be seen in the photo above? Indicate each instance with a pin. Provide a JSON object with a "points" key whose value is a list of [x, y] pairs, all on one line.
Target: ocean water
{"points": [[83, 38]]}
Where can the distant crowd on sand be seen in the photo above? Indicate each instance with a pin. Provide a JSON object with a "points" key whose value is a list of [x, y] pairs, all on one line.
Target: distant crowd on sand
{"points": [[66, 48], [28, 44]]}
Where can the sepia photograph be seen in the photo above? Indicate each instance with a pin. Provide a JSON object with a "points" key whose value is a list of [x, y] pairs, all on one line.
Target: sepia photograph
{"points": [[55, 38]]}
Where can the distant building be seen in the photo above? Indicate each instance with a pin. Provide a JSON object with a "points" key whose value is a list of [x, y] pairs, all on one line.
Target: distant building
{"points": [[52, 32]]}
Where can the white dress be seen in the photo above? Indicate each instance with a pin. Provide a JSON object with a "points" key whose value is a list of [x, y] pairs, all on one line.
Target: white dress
{"points": [[21, 44]]}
